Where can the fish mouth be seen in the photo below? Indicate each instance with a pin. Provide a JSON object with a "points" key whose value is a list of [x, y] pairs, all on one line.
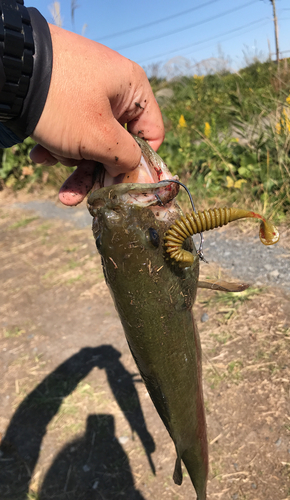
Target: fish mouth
{"points": [[150, 170], [158, 195], [147, 186]]}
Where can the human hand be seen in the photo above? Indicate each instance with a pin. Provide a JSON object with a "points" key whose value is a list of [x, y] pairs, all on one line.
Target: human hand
{"points": [[93, 92]]}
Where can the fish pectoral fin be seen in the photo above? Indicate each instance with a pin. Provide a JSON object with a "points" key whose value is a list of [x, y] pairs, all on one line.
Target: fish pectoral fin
{"points": [[223, 286], [177, 474]]}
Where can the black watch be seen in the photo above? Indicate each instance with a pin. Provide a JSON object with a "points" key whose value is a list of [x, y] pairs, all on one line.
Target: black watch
{"points": [[16, 51]]}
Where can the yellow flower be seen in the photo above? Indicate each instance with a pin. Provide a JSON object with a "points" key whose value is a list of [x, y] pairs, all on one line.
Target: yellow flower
{"points": [[286, 120], [207, 129], [182, 122], [284, 123], [239, 183], [288, 99], [230, 182], [199, 78], [27, 170], [11, 181]]}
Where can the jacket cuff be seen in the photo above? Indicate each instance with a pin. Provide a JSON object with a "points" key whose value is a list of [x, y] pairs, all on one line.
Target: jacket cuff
{"points": [[7, 137]]}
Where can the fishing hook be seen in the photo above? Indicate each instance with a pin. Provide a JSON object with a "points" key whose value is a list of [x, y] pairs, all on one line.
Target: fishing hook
{"points": [[200, 250]]}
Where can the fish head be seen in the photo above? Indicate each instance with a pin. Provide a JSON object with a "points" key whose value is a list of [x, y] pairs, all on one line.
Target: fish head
{"points": [[129, 227], [137, 215], [130, 217], [121, 203]]}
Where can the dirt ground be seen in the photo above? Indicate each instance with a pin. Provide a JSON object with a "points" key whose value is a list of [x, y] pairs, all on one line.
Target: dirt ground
{"points": [[76, 421]]}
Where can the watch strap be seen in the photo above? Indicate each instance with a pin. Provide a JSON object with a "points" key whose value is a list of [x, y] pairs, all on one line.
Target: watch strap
{"points": [[16, 51], [24, 124]]}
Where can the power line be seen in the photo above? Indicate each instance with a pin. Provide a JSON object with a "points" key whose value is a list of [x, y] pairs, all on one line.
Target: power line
{"points": [[234, 36], [205, 40], [207, 20], [208, 39], [158, 21]]}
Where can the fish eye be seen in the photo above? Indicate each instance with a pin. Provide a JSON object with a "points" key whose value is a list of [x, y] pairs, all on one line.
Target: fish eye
{"points": [[154, 237], [98, 242]]}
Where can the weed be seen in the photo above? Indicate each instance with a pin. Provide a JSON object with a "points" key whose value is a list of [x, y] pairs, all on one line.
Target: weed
{"points": [[236, 143], [32, 495], [216, 470], [49, 274], [43, 228], [74, 280], [234, 370], [214, 378], [14, 331], [236, 298], [207, 407], [70, 249], [23, 222], [73, 264], [221, 338], [18, 170], [227, 135]]}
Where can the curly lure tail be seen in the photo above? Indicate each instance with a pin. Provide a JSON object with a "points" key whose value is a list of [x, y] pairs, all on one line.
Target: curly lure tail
{"points": [[210, 219]]}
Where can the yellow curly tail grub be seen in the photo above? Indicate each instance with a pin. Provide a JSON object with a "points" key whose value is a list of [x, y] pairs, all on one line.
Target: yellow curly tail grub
{"points": [[210, 219]]}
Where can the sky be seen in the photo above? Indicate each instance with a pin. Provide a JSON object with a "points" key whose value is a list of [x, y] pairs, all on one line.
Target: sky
{"points": [[201, 32]]}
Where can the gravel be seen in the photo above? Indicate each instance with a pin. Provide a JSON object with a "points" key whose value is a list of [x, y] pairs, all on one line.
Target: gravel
{"points": [[79, 216], [247, 259]]}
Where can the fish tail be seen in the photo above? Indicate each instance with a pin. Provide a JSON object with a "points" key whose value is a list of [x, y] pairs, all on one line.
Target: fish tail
{"points": [[198, 480], [197, 470], [177, 474]]}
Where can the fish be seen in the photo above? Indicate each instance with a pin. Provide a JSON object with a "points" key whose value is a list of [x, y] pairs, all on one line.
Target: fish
{"points": [[151, 267], [154, 297]]}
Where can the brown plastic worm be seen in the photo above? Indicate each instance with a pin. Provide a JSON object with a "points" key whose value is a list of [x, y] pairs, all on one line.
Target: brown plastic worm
{"points": [[210, 219]]}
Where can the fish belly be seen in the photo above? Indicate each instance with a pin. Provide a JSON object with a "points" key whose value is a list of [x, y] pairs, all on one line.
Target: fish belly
{"points": [[154, 302]]}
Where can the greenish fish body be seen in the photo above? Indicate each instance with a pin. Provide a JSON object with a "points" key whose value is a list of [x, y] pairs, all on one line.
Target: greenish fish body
{"points": [[154, 299]]}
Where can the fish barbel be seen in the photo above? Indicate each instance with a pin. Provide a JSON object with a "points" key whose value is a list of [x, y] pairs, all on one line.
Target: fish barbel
{"points": [[154, 298]]}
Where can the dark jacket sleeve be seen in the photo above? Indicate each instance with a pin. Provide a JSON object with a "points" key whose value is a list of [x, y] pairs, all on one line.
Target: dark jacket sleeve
{"points": [[16, 128]]}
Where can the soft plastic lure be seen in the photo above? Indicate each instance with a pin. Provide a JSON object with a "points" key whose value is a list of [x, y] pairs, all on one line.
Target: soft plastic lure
{"points": [[194, 223]]}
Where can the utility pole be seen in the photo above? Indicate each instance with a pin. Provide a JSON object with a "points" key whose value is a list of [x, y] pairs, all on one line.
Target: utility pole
{"points": [[276, 30]]}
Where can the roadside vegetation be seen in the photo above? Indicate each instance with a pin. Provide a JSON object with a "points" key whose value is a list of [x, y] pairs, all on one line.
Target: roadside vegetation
{"points": [[227, 137]]}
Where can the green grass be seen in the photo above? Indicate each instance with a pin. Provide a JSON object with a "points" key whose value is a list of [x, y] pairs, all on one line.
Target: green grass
{"points": [[227, 137], [13, 332], [221, 338], [232, 300], [23, 222], [32, 496], [70, 249]]}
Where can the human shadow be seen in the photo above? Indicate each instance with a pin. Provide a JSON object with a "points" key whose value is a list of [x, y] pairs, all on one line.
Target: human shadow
{"points": [[92, 467], [20, 447], [123, 388]]}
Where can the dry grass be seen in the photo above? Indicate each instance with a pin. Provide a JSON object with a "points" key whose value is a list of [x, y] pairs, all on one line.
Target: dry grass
{"points": [[55, 308]]}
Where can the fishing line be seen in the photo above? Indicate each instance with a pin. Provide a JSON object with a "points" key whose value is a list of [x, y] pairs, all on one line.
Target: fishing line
{"points": [[200, 250]]}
